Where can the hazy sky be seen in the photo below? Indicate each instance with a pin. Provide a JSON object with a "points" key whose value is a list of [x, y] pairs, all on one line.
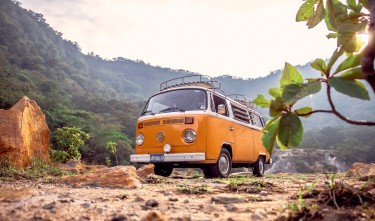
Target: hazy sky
{"points": [[244, 38]]}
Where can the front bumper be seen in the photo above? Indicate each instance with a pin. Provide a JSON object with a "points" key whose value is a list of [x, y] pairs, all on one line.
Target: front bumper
{"points": [[171, 157]]}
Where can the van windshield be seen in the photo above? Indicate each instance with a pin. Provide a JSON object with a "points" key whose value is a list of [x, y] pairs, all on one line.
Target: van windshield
{"points": [[176, 101]]}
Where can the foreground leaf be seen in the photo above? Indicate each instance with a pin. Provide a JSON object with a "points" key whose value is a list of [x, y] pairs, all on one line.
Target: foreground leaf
{"points": [[354, 73], [319, 65], [290, 131], [275, 92], [276, 107], [349, 87], [269, 136], [334, 9], [295, 92], [290, 75], [350, 62], [304, 110], [317, 16], [261, 101], [305, 11]]}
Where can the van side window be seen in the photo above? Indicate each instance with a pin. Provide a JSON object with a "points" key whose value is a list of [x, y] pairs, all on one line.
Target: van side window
{"points": [[257, 120], [240, 114], [216, 102]]}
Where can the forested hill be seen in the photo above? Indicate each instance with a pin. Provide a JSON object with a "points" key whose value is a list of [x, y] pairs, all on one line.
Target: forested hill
{"points": [[103, 97]]}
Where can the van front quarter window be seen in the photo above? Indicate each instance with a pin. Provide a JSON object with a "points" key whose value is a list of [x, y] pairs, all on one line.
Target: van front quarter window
{"points": [[176, 101]]}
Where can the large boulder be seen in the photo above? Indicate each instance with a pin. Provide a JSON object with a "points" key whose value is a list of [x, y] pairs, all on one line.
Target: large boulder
{"points": [[361, 170], [113, 177], [24, 134]]}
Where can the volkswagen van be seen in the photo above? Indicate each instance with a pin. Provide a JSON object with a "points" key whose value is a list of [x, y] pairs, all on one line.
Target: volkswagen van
{"points": [[190, 123]]}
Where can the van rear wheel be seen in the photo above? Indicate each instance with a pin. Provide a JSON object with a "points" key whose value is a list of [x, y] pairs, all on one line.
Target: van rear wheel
{"points": [[163, 170], [259, 167], [223, 166]]}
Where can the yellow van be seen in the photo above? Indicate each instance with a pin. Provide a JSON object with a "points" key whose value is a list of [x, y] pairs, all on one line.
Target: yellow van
{"points": [[191, 124]]}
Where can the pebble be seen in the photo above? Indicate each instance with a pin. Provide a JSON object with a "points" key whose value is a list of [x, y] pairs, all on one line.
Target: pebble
{"points": [[152, 203], [86, 205], [49, 206], [263, 193], [173, 199]]}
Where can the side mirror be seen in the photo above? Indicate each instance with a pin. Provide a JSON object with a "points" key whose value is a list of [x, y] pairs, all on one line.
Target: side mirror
{"points": [[221, 109]]}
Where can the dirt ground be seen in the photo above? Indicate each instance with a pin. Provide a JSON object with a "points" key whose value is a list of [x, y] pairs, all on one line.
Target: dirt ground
{"points": [[178, 197]]}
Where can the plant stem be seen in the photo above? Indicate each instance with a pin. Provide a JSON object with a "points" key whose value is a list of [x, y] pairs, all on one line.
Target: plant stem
{"points": [[338, 114]]}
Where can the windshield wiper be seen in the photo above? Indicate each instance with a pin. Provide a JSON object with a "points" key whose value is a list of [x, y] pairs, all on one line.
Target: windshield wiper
{"points": [[171, 109], [148, 112]]}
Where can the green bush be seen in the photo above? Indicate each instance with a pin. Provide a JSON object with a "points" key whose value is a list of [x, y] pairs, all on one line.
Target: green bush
{"points": [[59, 156]]}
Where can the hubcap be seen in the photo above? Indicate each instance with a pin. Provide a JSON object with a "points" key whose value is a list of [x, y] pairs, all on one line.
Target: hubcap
{"points": [[224, 164]]}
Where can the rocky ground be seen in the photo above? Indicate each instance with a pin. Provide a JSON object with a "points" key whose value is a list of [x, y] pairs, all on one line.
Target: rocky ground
{"points": [[181, 197]]}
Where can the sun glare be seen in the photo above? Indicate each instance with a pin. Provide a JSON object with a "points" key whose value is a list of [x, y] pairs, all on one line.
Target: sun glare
{"points": [[364, 38]]}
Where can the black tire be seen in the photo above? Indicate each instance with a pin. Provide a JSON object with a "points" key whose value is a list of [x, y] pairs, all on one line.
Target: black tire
{"points": [[223, 166], [207, 173], [259, 167], [163, 170]]}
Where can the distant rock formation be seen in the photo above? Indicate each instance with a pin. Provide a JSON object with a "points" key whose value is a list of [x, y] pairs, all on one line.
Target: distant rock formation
{"points": [[362, 170], [24, 134], [306, 161], [113, 177]]}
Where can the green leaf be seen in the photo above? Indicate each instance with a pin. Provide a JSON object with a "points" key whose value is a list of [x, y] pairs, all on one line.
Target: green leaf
{"points": [[317, 16], [332, 35], [295, 92], [261, 101], [269, 136], [290, 75], [282, 147], [290, 130], [350, 62], [304, 110], [305, 11], [354, 73], [275, 92], [319, 65], [334, 9], [336, 54], [352, 4], [349, 41], [349, 87], [276, 107]]}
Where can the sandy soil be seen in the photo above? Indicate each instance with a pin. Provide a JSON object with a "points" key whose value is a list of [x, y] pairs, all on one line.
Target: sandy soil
{"points": [[174, 198]]}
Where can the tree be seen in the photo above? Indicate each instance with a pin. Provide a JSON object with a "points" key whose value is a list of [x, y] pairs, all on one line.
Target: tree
{"points": [[112, 148], [71, 139], [345, 23]]}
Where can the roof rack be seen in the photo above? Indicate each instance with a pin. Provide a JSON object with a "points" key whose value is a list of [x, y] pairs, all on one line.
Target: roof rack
{"points": [[191, 80], [243, 100]]}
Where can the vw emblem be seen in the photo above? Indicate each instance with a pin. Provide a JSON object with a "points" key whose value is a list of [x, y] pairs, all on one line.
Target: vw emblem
{"points": [[160, 136]]}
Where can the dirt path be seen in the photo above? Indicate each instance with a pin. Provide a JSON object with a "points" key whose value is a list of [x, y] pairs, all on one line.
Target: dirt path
{"points": [[175, 198]]}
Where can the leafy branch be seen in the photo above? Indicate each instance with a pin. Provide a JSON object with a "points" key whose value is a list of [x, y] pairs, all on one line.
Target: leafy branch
{"points": [[345, 22]]}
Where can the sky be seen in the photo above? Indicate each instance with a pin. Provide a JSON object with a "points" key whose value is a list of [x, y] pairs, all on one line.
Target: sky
{"points": [[242, 38]]}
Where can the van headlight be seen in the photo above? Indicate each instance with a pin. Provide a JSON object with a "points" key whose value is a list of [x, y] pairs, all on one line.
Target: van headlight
{"points": [[139, 139], [190, 136]]}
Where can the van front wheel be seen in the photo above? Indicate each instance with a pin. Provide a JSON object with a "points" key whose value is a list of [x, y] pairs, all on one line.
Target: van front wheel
{"points": [[163, 170], [259, 167], [223, 165]]}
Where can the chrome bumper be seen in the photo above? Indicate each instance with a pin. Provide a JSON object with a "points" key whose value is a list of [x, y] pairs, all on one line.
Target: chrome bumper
{"points": [[171, 157]]}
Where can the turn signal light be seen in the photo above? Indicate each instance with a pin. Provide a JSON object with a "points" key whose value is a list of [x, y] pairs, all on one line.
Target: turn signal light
{"points": [[189, 120], [140, 125]]}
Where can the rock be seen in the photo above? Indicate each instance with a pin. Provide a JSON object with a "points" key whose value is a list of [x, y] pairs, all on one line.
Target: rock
{"points": [[154, 216], [146, 170], [24, 134], [227, 200], [263, 193], [71, 165], [361, 170], [152, 203], [114, 177], [119, 218], [306, 161], [49, 206]]}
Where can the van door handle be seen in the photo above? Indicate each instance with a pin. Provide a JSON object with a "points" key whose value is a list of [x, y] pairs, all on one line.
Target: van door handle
{"points": [[231, 129]]}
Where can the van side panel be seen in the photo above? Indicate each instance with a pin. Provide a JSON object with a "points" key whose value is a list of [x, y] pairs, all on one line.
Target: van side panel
{"points": [[218, 133], [259, 149], [243, 144]]}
